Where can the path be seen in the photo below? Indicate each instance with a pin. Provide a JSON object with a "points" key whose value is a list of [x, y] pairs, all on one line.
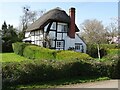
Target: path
{"points": [[98, 84]]}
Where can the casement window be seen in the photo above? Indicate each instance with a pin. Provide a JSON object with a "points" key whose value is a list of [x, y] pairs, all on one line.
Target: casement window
{"points": [[53, 26], [62, 27], [59, 44], [77, 46]]}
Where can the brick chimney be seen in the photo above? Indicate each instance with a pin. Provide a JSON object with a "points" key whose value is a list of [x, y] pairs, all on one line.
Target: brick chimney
{"points": [[71, 32]]}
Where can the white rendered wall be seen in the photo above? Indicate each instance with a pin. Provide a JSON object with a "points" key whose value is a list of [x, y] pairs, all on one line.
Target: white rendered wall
{"points": [[79, 40], [69, 42]]}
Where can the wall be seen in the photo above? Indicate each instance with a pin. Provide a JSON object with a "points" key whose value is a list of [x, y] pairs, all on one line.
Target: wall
{"points": [[79, 40]]}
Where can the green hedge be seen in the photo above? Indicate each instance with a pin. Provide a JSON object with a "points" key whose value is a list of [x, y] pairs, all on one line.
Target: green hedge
{"points": [[69, 55], [36, 52], [41, 71], [92, 49], [18, 47]]}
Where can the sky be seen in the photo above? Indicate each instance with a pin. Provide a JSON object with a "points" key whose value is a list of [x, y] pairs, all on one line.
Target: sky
{"points": [[102, 11]]}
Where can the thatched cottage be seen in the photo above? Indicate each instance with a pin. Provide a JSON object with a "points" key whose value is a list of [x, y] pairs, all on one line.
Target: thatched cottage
{"points": [[56, 30]]}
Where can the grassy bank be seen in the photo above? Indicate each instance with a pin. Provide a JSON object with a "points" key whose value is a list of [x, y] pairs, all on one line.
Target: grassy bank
{"points": [[11, 57]]}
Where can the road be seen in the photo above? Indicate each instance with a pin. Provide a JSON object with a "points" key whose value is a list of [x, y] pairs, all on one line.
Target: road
{"points": [[98, 84]]}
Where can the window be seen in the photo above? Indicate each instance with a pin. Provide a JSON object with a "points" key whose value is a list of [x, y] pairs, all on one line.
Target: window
{"points": [[53, 26], [77, 46], [59, 44], [62, 27], [45, 28]]}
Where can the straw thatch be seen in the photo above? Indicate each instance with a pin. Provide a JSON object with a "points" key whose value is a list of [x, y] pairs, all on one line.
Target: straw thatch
{"points": [[52, 15]]}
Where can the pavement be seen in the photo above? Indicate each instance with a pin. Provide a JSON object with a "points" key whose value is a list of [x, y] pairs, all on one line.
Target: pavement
{"points": [[98, 84]]}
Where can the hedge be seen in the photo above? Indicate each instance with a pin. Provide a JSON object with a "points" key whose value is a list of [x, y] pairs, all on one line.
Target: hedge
{"points": [[69, 55], [41, 71], [93, 52], [18, 47], [36, 52]]}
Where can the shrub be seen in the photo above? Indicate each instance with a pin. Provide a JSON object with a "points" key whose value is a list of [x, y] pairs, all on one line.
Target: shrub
{"points": [[69, 55], [93, 52], [39, 71], [36, 52], [109, 46], [7, 46], [18, 47], [113, 51], [46, 70]]}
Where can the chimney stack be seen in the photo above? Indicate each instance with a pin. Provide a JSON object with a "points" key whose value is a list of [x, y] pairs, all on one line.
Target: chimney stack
{"points": [[71, 32]]}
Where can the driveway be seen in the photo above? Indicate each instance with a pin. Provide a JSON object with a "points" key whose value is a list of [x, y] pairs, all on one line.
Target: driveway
{"points": [[98, 84]]}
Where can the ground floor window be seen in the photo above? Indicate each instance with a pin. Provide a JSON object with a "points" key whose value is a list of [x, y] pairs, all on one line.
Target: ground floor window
{"points": [[59, 44], [77, 46]]}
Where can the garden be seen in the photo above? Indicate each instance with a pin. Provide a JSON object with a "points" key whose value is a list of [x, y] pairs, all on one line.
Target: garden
{"points": [[31, 66]]}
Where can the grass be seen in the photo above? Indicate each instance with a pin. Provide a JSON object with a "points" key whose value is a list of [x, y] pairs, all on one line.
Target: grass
{"points": [[11, 57], [58, 83]]}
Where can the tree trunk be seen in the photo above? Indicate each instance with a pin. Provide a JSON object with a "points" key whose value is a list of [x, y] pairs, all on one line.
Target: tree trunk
{"points": [[98, 48]]}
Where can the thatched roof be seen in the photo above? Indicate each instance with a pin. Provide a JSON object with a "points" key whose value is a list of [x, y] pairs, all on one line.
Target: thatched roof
{"points": [[52, 15]]}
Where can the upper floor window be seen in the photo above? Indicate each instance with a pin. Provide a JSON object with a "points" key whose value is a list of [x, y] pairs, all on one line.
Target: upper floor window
{"points": [[53, 26], [45, 28], [62, 27]]}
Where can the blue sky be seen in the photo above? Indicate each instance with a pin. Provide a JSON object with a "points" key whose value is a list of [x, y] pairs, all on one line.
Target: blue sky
{"points": [[102, 11]]}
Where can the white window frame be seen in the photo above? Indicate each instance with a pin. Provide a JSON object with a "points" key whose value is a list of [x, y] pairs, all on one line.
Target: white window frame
{"points": [[53, 26], [62, 27], [59, 44], [77, 46]]}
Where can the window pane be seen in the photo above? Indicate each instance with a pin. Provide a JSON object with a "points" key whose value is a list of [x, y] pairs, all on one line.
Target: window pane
{"points": [[77, 46], [59, 44], [53, 26], [59, 36], [62, 27]]}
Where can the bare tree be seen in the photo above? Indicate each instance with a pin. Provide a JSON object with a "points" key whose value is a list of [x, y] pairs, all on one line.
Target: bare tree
{"points": [[94, 33], [29, 16], [112, 29]]}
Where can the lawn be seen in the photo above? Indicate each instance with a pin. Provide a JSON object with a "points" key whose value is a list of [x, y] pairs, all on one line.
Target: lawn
{"points": [[11, 57]]}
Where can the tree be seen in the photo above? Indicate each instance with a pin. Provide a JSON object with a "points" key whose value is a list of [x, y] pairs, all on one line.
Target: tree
{"points": [[9, 36], [29, 16], [112, 30], [94, 33]]}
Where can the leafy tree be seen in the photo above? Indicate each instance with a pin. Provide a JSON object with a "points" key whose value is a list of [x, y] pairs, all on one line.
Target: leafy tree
{"points": [[94, 33], [9, 36]]}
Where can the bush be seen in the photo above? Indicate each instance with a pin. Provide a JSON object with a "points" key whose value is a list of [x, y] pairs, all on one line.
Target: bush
{"points": [[93, 52], [46, 70], [7, 47], [36, 52], [18, 47], [69, 55], [109, 46]]}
